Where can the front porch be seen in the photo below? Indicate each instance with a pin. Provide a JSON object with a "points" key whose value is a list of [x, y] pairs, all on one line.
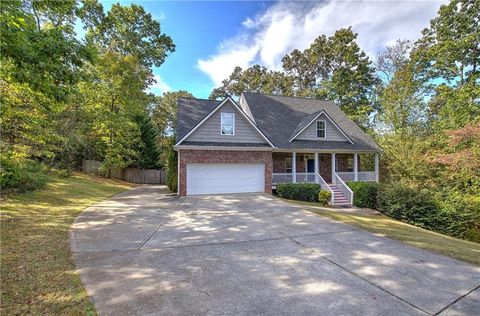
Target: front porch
{"points": [[330, 170]]}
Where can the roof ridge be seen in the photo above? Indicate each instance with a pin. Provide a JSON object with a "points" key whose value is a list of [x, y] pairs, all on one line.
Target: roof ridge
{"points": [[287, 96], [202, 99]]}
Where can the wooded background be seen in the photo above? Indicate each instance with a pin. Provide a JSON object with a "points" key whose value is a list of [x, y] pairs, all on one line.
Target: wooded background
{"points": [[66, 99]]}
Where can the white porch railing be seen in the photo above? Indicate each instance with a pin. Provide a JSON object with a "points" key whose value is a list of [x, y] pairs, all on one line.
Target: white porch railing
{"points": [[362, 176], [288, 177], [306, 177], [282, 178], [346, 191], [366, 176], [346, 176], [325, 186]]}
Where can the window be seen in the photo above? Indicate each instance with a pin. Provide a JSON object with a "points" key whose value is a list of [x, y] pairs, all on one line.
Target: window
{"points": [[288, 165], [350, 164], [228, 124], [321, 133]]}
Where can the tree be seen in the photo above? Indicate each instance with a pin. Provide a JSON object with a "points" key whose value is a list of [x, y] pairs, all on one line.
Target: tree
{"points": [[40, 60], [149, 155], [164, 111], [332, 68], [127, 30], [401, 107], [344, 74], [172, 165], [256, 79], [446, 59], [392, 59], [129, 42]]}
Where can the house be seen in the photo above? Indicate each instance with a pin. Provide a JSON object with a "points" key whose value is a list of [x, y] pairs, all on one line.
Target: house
{"points": [[263, 140]]}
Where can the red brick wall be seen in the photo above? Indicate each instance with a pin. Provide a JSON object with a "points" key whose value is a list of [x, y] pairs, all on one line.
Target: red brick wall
{"points": [[224, 156], [279, 162], [326, 166], [342, 162]]}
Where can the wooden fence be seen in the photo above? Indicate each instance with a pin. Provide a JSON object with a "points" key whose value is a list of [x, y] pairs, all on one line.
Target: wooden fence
{"points": [[133, 175], [90, 166], [143, 175]]}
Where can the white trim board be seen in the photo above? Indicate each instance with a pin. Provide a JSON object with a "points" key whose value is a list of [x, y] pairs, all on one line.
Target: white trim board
{"points": [[215, 110], [331, 121]]}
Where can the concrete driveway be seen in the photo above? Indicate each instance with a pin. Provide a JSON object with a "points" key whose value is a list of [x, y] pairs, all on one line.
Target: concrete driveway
{"points": [[145, 252]]}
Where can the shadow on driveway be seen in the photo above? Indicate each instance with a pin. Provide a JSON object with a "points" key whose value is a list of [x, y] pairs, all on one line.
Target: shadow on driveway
{"points": [[147, 252]]}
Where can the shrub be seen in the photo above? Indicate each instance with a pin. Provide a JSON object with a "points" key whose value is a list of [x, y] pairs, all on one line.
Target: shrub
{"points": [[460, 217], [324, 197], [451, 215], [172, 170], [407, 204], [22, 174], [299, 191], [364, 194]]}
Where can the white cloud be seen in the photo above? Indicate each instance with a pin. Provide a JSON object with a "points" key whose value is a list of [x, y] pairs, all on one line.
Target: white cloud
{"points": [[267, 37], [221, 66], [160, 86]]}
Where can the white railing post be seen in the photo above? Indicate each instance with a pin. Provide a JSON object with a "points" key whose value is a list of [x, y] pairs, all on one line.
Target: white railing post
{"points": [[333, 168], [294, 167], [316, 167], [377, 167], [355, 167]]}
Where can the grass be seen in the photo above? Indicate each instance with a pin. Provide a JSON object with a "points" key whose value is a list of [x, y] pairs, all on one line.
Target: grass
{"points": [[406, 233], [37, 272]]}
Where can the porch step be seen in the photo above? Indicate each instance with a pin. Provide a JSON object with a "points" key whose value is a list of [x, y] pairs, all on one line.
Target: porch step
{"points": [[338, 197]]}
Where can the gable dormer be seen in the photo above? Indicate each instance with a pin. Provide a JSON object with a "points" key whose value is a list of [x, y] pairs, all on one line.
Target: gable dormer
{"points": [[227, 123], [319, 126]]}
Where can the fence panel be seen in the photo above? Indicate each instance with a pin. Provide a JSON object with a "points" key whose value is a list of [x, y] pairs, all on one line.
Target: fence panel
{"points": [[147, 176], [163, 176], [134, 175], [117, 173], [91, 166]]}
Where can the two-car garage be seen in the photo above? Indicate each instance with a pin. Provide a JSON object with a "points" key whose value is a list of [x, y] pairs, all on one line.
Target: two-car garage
{"points": [[217, 178], [224, 171]]}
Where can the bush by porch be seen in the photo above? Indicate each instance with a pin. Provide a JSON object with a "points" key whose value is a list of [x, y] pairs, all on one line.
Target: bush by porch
{"points": [[299, 191]]}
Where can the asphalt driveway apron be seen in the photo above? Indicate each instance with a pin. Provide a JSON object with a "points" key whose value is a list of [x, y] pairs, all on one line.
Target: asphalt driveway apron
{"points": [[145, 252]]}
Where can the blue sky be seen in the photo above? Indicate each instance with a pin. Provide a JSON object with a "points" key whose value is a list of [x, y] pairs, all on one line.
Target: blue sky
{"points": [[213, 37]]}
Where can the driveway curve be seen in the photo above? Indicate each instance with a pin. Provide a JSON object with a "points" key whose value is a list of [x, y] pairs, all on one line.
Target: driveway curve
{"points": [[147, 252]]}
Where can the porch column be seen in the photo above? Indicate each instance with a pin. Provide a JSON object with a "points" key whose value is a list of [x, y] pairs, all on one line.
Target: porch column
{"points": [[294, 167], [333, 167], [355, 167], [316, 168], [377, 178]]}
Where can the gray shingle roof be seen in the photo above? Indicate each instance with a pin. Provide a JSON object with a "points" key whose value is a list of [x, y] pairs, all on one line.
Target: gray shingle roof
{"points": [[190, 112], [303, 123], [280, 118]]}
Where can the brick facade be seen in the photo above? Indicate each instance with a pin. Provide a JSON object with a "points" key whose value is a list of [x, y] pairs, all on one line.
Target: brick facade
{"points": [[223, 156]]}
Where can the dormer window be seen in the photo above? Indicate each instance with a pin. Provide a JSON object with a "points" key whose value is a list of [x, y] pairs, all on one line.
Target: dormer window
{"points": [[321, 132], [228, 123]]}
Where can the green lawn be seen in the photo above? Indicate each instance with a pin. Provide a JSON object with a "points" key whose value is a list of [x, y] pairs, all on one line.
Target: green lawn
{"points": [[37, 273], [412, 235]]}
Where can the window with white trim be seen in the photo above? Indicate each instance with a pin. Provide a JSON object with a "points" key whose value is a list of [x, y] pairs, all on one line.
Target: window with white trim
{"points": [[288, 165], [321, 129], [228, 123]]}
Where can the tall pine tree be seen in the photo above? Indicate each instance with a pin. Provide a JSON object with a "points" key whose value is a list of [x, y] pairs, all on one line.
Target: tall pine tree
{"points": [[149, 157]]}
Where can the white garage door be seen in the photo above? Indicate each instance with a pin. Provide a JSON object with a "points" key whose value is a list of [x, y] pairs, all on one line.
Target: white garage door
{"points": [[225, 178]]}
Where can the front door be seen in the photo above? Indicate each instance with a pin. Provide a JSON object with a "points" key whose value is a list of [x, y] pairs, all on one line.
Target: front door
{"points": [[311, 165], [326, 167]]}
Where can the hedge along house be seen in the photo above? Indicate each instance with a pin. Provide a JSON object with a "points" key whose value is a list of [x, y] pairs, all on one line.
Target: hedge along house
{"points": [[263, 140]]}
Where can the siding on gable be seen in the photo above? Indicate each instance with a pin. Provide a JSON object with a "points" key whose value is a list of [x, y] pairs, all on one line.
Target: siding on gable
{"points": [[333, 134], [209, 131]]}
